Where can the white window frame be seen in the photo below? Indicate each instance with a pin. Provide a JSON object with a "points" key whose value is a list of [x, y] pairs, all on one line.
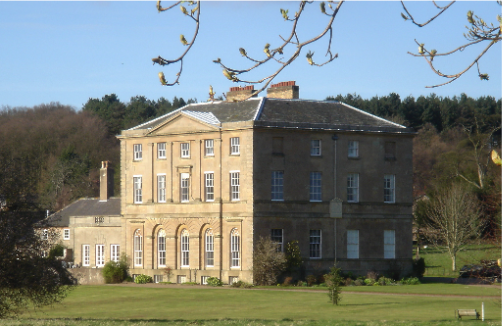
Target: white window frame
{"points": [[277, 237], [161, 150], [315, 187], [389, 244], [185, 150], [44, 235], [138, 189], [352, 244], [209, 248], [209, 147], [161, 187], [203, 280], [235, 146], [184, 248], [100, 255], [115, 252], [86, 255], [66, 234], [138, 248], [389, 188], [353, 188], [315, 147], [209, 186], [315, 244], [353, 149], [161, 248], [277, 184], [235, 188], [235, 252], [184, 187], [138, 152]]}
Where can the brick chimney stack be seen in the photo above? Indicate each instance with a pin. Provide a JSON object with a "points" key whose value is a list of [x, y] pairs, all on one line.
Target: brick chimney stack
{"points": [[105, 181], [240, 93], [285, 90]]}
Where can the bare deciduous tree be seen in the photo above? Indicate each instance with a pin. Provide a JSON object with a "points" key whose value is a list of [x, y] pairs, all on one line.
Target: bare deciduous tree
{"points": [[453, 219]]}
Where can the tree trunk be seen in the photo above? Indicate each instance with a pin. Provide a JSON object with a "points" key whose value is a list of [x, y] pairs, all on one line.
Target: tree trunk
{"points": [[454, 263]]}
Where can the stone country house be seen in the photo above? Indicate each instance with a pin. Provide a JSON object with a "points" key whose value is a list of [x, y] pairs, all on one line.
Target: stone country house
{"points": [[201, 184]]}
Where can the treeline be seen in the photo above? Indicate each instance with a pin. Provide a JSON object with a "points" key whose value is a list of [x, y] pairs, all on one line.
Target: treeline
{"points": [[441, 112], [119, 116]]}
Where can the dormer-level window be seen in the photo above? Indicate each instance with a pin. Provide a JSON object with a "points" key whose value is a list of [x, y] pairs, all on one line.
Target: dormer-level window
{"points": [[235, 146], [315, 147], [161, 150], [138, 152], [209, 147], [353, 149], [185, 150]]}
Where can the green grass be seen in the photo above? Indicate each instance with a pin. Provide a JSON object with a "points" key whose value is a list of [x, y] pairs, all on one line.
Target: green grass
{"points": [[471, 255], [165, 304], [438, 289]]}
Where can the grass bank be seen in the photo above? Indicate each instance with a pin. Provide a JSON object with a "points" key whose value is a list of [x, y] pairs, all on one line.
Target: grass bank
{"points": [[170, 304]]}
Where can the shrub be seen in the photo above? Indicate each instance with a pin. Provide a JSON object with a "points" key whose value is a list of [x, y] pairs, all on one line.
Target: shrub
{"points": [[418, 267], [190, 283], [56, 251], [268, 262], [311, 279], [241, 284], [143, 279], [287, 281], [369, 281], [116, 272], [214, 281], [410, 281], [385, 281], [358, 282], [372, 275], [348, 281]]}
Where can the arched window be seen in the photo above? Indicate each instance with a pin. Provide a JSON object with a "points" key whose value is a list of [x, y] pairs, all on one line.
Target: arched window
{"points": [[161, 248], [235, 248], [185, 249], [138, 248], [209, 248]]}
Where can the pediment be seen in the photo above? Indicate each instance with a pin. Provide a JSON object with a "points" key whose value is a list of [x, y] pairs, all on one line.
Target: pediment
{"points": [[183, 123]]}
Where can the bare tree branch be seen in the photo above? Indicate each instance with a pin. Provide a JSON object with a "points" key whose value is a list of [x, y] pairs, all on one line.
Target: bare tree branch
{"points": [[443, 9]]}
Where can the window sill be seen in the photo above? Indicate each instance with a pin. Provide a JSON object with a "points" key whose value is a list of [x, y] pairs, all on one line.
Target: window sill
{"points": [[315, 258], [316, 201], [278, 200], [235, 154], [354, 158], [389, 202], [162, 158]]}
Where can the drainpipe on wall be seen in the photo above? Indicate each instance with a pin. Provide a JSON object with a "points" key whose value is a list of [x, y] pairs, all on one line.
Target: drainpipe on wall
{"points": [[335, 138], [221, 204]]}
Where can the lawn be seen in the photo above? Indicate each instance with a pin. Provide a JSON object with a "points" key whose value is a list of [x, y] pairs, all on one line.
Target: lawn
{"points": [[471, 255], [251, 307]]}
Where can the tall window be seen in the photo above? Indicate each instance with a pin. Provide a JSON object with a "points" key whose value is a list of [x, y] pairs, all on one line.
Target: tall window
{"points": [[138, 191], [315, 187], [138, 152], [209, 248], [100, 255], [389, 194], [185, 150], [277, 185], [389, 244], [161, 188], [185, 249], [161, 150], [209, 147], [235, 185], [86, 255], [235, 248], [115, 252], [66, 235], [353, 188], [44, 235], [138, 248], [276, 237], [315, 243], [235, 146], [209, 185], [184, 187], [161, 248], [315, 147], [353, 148], [353, 244]]}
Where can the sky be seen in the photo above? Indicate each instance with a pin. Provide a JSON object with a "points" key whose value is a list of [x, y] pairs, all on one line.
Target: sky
{"points": [[68, 52]]}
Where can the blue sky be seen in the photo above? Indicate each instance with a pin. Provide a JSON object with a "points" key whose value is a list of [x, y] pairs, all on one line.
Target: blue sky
{"points": [[72, 51]]}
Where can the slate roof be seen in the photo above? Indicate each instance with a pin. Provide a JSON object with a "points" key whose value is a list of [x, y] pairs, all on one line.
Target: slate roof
{"points": [[286, 113], [85, 207]]}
